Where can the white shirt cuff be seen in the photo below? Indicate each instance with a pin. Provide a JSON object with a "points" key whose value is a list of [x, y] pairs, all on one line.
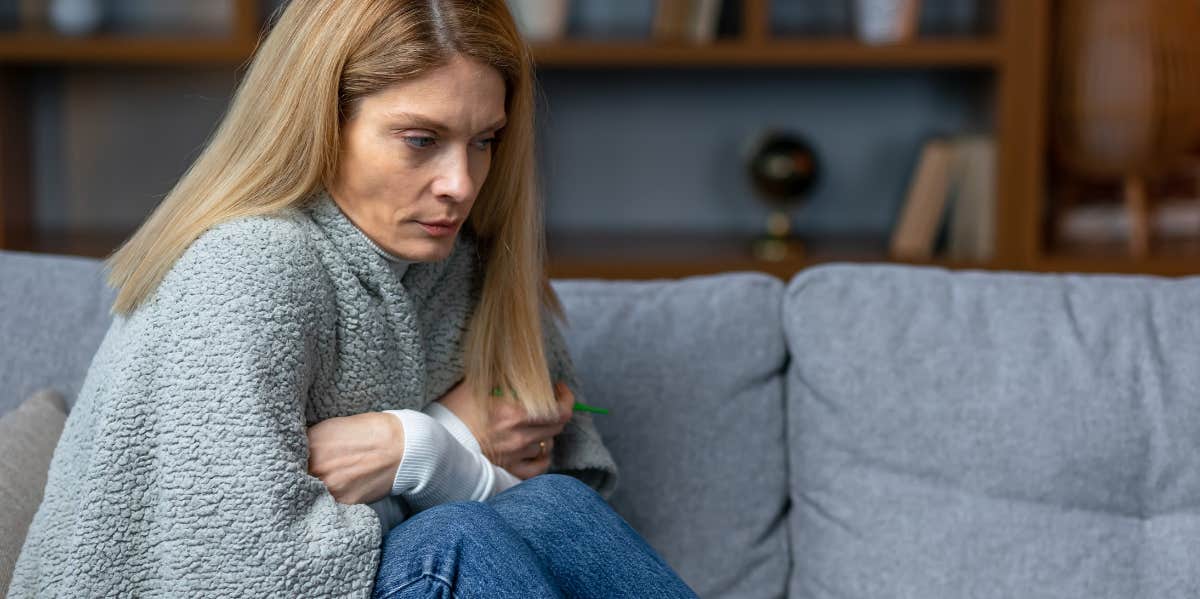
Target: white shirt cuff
{"points": [[437, 469], [454, 425]]}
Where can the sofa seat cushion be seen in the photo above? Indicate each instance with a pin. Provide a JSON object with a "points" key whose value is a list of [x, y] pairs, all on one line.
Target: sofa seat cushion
{"points": [[993, 434], [692, 371], [28, 436]]}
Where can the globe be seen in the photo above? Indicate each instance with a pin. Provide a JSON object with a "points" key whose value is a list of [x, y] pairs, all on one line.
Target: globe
{"points": [[782, 167]]}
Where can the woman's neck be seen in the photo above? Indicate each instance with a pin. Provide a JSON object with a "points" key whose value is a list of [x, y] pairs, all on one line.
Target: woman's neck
{"points": [[382, 252]]}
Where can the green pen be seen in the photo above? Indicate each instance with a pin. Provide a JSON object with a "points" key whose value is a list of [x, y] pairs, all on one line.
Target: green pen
{"points": [[579, 407]]}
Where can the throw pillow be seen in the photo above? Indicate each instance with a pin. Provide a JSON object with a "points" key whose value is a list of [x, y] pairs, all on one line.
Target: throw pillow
{"points": [[28, 436]]}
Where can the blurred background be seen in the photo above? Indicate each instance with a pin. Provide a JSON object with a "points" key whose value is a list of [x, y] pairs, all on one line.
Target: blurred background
{"points": [[682, 137]]}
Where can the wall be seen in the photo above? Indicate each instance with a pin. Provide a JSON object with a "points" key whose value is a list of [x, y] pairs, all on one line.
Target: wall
{"points": [[650, 150], [620, 150], [110, 143]]}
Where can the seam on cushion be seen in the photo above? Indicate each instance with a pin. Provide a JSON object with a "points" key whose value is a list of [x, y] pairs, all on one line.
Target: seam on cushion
{"points": [[931, 482], [439, 579], [1001, 278]]}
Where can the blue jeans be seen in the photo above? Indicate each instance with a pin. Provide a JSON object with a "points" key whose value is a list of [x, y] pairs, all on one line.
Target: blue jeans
{"points": [[550, 536]]}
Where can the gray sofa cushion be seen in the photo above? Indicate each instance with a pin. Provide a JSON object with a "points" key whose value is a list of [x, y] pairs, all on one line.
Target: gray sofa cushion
{"points": [[55, 312], [692, 371], [993, 435], [28, 436]]}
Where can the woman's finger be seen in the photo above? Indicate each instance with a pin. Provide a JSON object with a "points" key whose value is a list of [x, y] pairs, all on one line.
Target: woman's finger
{"points": [[517, 446], [566, 402], [531, 434], [535, 462], [533, 451]]}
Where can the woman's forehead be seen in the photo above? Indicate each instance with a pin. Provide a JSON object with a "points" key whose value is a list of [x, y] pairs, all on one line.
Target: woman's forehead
{"points": [[463, 97]]}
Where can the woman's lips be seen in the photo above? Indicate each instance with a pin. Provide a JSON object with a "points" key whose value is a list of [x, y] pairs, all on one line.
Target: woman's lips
{"points": [[441, 229]]}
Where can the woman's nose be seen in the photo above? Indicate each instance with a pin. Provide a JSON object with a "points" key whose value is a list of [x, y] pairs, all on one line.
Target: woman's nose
{"points": [[454, 179]]}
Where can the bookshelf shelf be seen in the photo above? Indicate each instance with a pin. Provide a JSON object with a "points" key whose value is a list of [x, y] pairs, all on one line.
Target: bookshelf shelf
{"points": [[667, 255], [131, 49], [983, 53], [50, 48]]}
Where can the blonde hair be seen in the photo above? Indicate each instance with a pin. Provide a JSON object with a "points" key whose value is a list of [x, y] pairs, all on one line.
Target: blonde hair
{"points": [[318, 60]]}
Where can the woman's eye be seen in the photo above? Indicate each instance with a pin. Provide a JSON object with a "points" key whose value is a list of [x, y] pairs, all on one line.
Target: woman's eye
{"points": [[484, 144], [419, 142]]}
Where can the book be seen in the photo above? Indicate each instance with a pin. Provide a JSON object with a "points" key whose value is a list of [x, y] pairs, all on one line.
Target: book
{"points": [[951, 202], [886, 21], [925, 204], [608, 20], [973, 205], [670, 19], [686, 20], [32, 15], [703, 22]]}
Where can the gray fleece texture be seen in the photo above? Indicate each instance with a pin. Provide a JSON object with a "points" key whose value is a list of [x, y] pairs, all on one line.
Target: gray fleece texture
{"points": [[182, 470]]}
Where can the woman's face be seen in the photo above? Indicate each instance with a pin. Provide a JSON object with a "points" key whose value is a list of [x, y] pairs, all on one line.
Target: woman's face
{"points": [[414, 155]]}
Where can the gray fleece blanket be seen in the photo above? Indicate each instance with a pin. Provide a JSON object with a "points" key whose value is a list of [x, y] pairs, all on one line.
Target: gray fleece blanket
{"points": [[182, 470]]}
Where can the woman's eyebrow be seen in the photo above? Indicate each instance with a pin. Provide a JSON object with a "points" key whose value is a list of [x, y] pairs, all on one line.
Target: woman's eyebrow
{"points": [[425, 122]]}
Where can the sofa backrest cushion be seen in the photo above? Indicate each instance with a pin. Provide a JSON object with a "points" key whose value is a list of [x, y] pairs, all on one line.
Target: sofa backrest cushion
{"points": [[692, 372], [54, 311], [993, 434]]}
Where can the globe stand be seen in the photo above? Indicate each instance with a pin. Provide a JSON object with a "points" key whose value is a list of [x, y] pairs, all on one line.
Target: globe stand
{"points": [[778, 244]]}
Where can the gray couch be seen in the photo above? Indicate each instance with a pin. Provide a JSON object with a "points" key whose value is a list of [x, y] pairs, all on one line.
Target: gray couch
{"points": [[862, 432]]}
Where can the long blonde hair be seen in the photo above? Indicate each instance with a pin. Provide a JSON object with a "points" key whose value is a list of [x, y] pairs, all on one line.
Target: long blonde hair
{"points": [[278, 145]]}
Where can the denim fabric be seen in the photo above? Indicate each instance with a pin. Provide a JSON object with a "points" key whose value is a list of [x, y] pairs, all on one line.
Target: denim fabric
{"points": [[550, 536]]}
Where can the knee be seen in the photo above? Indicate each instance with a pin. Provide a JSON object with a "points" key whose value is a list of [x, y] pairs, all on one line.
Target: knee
{"points": [[429, 548], [554, 505], [449, 522], [563, 488]]}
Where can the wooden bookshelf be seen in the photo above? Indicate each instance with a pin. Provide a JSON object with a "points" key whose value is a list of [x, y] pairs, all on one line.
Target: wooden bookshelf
{"points": [[1017, 53]]}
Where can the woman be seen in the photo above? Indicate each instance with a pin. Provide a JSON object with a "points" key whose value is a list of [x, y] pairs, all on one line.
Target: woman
{"points": [[314, 320]]}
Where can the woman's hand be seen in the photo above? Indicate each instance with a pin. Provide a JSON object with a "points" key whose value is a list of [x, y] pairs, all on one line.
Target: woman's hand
{"points": [[356, 456], [514, 437]]}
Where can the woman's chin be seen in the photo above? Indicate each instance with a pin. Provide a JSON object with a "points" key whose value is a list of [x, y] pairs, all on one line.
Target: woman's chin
{"points": [[428, 250]]}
